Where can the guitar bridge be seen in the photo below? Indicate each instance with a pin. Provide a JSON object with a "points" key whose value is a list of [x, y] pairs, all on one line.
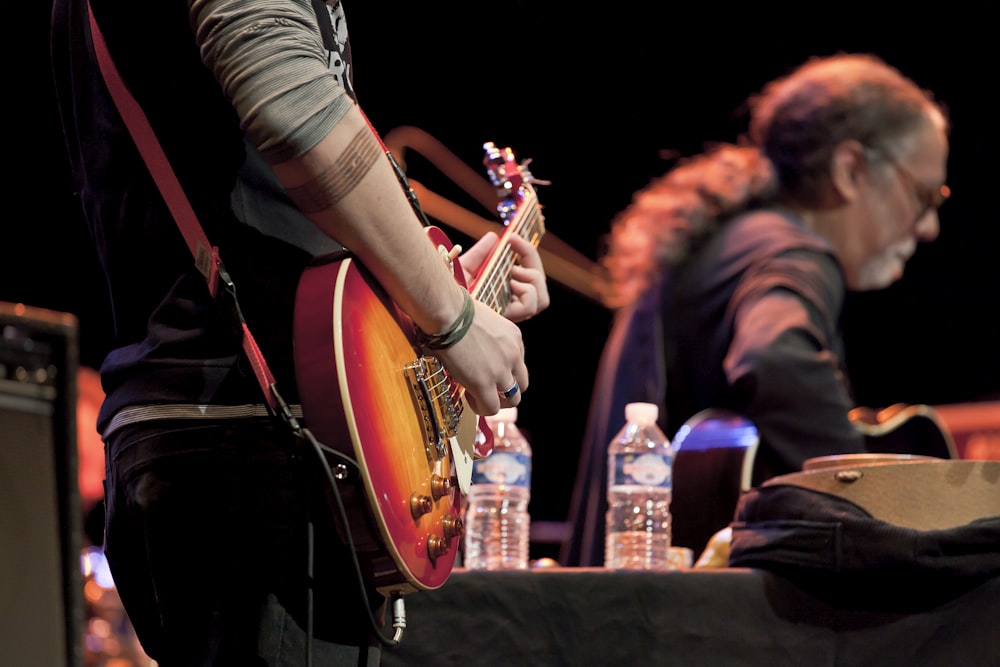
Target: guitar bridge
{"points": [[437, 398]]}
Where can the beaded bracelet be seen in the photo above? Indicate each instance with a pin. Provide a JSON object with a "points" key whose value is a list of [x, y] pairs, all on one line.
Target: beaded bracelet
{"points": [[455, 332]]}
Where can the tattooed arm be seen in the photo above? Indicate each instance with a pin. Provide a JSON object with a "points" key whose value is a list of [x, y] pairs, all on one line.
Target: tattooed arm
{"points": [[270, 61], [347, 187]]}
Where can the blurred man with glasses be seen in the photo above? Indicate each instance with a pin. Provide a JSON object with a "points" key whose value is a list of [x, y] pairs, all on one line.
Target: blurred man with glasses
{"points": [[731, 270]]}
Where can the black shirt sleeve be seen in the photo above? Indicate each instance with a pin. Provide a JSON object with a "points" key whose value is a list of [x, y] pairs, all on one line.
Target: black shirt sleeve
{"points": [[785, 363]]}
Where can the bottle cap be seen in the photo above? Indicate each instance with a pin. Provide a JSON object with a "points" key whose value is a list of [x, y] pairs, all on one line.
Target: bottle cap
{"points": [[644, 414]]}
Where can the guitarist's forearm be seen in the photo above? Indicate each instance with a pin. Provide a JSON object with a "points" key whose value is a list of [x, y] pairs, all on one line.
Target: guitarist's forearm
{"points": [[347, 187]]}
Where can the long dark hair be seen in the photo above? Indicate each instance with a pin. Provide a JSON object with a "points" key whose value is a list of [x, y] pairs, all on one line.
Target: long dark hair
{"points": [[796, 122]]}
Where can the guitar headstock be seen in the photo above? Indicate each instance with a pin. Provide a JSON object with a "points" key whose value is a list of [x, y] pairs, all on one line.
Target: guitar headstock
{"points": [[513, 180], [521, 215]]}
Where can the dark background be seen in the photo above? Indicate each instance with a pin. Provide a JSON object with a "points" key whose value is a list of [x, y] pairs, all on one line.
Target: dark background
{"points": [[593, 98]]}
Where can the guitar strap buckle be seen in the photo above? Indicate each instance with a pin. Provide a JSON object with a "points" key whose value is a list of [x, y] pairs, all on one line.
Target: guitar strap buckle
{"points": [[207, 261]]}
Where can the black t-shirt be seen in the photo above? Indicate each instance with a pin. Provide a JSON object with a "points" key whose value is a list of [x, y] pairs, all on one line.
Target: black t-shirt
{"points": [[679, 347], [173, 342], [752, 324]]}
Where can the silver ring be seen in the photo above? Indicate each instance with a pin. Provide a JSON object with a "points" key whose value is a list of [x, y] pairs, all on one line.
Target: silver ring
{"points": [[510, 393]]}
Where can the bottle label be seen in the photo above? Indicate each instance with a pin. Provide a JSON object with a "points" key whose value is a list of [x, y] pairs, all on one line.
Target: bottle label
{"points": [[642, 469], [503, 468]]}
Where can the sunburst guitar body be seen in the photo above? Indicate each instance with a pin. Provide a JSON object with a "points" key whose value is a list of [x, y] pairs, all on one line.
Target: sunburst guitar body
{"points": [[370, 392]]}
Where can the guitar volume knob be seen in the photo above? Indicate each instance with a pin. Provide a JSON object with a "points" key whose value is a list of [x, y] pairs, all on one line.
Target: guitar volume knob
{"points": [[452, 526], [440, 486], [437, 546], [420, 504]]}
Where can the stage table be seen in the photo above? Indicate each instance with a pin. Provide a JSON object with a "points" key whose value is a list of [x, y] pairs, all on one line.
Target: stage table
{"points": [[720, 618]]}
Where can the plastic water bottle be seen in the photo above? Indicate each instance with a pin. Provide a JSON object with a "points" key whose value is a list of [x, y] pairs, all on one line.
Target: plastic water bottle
{"points": [[640, 481], [497, 523]]}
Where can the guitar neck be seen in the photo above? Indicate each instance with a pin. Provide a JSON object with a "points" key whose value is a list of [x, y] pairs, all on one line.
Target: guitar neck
{"points": [[522, 215]]}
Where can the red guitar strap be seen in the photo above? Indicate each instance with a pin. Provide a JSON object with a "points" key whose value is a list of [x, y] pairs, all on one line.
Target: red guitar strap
{"points": [[206, 256]]}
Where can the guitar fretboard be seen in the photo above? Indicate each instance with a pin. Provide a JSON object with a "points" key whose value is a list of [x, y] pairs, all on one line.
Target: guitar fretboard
{"points": [[521, 215], [492, 286]]}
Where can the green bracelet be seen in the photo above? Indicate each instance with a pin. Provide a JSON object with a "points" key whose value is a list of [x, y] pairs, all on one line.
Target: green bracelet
{"points": [[455, 332]]}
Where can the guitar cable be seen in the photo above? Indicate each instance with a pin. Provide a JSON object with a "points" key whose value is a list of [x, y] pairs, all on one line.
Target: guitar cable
{"points": [[346, 464]]}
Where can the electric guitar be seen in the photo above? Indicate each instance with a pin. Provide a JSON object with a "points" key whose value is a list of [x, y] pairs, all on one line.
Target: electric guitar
{"points": [[902, 428], [369, 391], [714, 461]]}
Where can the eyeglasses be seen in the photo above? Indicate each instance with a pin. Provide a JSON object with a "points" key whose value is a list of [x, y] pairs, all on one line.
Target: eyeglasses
{"points": [[928, 197]]}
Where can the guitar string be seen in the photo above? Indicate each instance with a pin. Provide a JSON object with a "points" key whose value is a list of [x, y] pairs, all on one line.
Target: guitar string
{"points": [[498, 284], [438, 383]]}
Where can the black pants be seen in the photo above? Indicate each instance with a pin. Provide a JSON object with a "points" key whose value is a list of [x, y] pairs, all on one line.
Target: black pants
{"points": [[210, 531]]}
